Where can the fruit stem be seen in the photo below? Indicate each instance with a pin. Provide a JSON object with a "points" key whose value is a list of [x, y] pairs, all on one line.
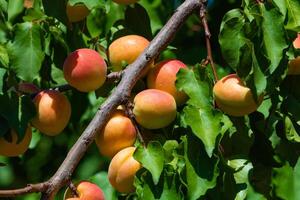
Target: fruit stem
{"points": [[209, 58], [129, 113], [73, 189]]}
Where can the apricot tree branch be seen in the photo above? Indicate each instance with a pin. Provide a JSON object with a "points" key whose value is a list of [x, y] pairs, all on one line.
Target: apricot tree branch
{"points": [[31, 188], [121, 94], [207, 40]]}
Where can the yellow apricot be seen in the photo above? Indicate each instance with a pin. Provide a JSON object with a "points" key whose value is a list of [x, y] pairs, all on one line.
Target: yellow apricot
{"points": [[53, 112], [14, 147], [125, 50], [233, 97], [154, 109], [118, 133], [122, 170]]}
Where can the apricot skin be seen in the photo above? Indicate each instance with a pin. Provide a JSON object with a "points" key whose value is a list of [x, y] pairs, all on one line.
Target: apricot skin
{"points": [[122, 170], [85, 70], [294, 65], [77, 12], [163, 77], [125, 2], [14, 148], [154, 109], [126, 49], [233, 97], [86, 191], [53, 112], [118, 133]]}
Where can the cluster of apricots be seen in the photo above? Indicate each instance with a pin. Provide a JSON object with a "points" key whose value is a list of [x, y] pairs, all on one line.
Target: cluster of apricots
{"points": [[153, 108]]}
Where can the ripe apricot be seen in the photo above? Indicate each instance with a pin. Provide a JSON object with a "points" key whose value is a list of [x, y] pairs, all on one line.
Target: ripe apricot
{"points": [[118, 133], [85, 70], [233, 97], [86, 191], [163, 77], [125, 2], [122, 170], [154, 109], [53, 112], [294, 65], [77, 12], [125, 50], [13, 147]]}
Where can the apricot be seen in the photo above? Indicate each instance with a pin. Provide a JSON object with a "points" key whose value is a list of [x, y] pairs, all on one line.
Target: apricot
{"points": [[122, 170], [13, 147], [125, 50], [77, 12], [85, 70], [53, 112], [154, 109], [118, 133], [294, 65], [86, 191], [125, 2], [163, 77], [233, 97]]}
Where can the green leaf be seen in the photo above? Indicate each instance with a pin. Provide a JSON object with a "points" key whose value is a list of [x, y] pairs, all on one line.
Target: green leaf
{"points": [[199, 114], [101, 180], [15, 7], [2, 74], [286, 181], [290, 130], [201, 170], [152, 158], [242, 168], [26, 52], [273, 35], [291, 11], [18, 111], [4, 59], [138, 21], [232, 37]]}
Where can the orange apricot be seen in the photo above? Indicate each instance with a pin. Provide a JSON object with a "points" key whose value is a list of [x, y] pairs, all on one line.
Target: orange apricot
{"points": [[77, 12], [154, 109], [125, 50], [86, 191], [122, 170], [118, 133], [85, 70], [163, 77], [233, 97], [53, 112], [13, 147], [294, 65]]}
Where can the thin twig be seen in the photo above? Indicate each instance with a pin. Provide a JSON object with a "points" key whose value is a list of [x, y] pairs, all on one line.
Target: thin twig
{"points": [[207, 40], [31, 188]]}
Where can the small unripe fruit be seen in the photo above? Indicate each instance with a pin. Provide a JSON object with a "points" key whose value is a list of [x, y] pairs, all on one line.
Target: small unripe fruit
{"points": [[125, 2], [53, 112], [154, 109], [233, 97], [77, 12], [85, 70], [125, 50], [122, 170], [294, 65], [118, 133], [14, 147], [163, 77], [86, 191]]}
